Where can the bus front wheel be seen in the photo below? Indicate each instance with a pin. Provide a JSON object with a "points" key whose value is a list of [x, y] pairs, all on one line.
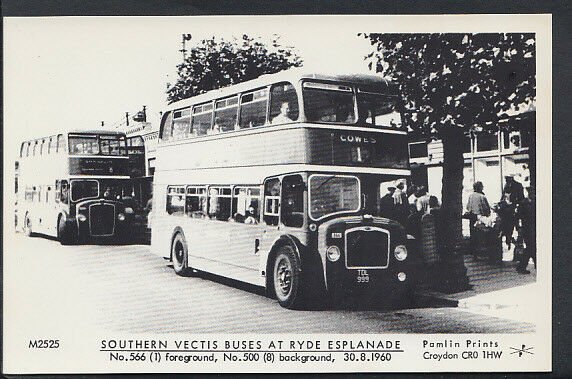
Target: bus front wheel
{"points": [[180, 256], [66, 234], [28, 226], [286, 278]]}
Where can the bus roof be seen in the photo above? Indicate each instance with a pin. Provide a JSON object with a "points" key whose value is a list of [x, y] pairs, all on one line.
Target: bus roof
{"points": [[292, 76], [95, 131]]}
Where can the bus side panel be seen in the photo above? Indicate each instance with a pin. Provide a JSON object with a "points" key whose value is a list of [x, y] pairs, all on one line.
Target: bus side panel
{"points": [[161, 223]]}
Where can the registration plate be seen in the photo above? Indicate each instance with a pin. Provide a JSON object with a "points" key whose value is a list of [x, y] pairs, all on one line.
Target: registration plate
{"points": [[362, 276]]}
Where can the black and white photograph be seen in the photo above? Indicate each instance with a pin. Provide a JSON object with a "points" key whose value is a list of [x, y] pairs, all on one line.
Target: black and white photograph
{"points": [[277, 194]]}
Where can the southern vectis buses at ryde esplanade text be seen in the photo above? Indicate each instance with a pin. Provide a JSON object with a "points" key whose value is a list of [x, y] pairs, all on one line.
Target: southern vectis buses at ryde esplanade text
{"points": [[277, 181], [73, 186]]}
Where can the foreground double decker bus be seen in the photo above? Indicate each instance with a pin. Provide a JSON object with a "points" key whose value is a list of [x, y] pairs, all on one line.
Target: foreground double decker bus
{"points": [[72, 186], [277, 182]]}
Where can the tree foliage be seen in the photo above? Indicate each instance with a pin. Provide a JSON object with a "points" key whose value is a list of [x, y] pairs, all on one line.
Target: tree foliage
{"points": [[453, 83], [215, 63], [463, 80]]}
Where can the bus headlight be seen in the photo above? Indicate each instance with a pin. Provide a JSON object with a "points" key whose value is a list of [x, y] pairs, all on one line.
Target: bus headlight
{"points": [[333, 253], [400, 252], [128, 210], [121, 217], [81, 217]]}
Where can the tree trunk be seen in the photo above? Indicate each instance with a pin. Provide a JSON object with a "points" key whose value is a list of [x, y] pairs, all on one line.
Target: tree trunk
{"points": [[452, 202], [451, 272]]}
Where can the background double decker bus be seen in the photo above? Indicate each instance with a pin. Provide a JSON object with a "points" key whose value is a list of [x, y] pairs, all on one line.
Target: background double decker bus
{"points": [[277, 182], [73, 186]]}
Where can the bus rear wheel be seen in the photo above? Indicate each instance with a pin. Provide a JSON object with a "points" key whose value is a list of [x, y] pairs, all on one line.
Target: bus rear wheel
{"points": [[180, 256], [286, 278]]}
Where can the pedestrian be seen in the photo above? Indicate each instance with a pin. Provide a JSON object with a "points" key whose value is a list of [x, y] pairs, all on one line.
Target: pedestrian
{"points": [[387, 205], [477, 207], [513, 188], [412, 197], [422, 204], [506, 211], [401, 203], [527, 216]]}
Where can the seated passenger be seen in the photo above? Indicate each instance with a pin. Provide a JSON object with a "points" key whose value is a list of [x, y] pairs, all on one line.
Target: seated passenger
{"points": [[250, 219], [284, 114]]}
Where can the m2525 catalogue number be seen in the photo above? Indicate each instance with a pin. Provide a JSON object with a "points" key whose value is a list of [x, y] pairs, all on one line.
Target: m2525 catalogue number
{"points": [[44, 344]]}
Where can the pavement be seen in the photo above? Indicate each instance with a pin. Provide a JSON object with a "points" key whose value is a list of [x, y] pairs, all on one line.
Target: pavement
{"points": [[495, 290]]}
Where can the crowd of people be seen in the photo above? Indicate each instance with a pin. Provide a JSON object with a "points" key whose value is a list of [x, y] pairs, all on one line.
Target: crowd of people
{"points": [[514, 212], [511, 221]]}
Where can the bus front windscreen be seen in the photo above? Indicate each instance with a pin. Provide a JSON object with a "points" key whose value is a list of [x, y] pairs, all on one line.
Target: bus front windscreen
{"points": [[84, 189], [331, 103], [330, 194]]}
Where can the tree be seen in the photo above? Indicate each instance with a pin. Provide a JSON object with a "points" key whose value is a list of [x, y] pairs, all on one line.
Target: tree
{"points": [[216, 63], [451, 84]]}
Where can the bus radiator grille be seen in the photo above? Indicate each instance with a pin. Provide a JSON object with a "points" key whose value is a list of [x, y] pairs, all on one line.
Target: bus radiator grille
{"points": [[101, 219], [367, 249]]}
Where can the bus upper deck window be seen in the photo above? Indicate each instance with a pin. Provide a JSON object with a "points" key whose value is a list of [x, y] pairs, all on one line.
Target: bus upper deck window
{"points": [[181, 123], [378, 109], [333, 103], [283, 103], [253, 108], [167, 126], [202, 119], [226, 114]]}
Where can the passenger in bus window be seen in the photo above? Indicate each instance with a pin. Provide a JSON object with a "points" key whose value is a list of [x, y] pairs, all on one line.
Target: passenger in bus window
{"points": [[284, 115], [216, 127], [251, 216]]}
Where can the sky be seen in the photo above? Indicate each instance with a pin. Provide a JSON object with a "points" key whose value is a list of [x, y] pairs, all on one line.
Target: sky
{"points": [[74, 72], [64, 73]]}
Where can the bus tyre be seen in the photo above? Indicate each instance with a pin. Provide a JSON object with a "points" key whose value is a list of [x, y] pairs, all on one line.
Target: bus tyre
{"points": [[28, 226], [66, 235], [180, 256], [286, 278]]}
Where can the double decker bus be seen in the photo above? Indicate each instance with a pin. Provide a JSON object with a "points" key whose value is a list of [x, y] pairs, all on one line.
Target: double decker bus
{"points": [[277, 182], [72, 186]]}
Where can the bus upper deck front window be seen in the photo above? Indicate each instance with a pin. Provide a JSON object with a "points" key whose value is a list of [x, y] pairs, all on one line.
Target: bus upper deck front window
{"points": [[330, 194], [79, 145], [378, 110], [113, 145], [329, 103], [84, 189]]}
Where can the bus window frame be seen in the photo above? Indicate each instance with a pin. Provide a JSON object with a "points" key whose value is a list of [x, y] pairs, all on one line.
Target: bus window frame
{"points": [[60, 147], [216, 108], [183, 194], [267, 106], [360, 205], [200, 213], [202, 112], [84, 198], [298, 99], [272, 197], [219, 195], [303, 203], [317, 81], [162, 125], [187, 133], [65, 196], [235, 196]]}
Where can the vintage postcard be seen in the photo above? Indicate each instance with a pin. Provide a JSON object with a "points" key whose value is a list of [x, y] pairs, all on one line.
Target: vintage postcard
{"points": [[277, 194]]}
